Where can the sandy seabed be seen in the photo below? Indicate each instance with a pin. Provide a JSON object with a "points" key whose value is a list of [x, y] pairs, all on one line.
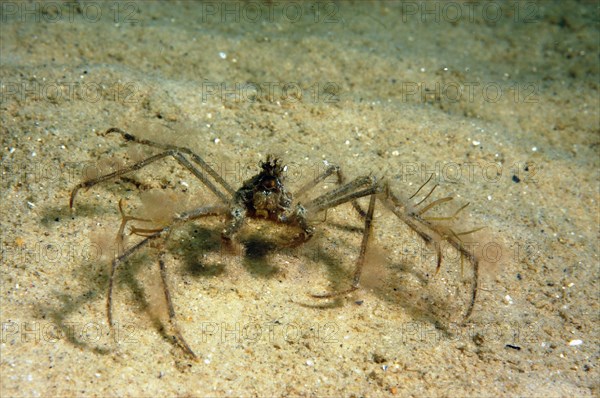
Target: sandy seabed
{"points": [[499, 100]]}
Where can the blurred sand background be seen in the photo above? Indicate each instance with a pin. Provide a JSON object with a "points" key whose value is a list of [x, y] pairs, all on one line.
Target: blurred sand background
{"points": [[498, 99]]}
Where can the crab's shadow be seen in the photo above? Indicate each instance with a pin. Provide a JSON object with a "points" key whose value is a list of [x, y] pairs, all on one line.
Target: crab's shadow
{"points": [[199, 251]]}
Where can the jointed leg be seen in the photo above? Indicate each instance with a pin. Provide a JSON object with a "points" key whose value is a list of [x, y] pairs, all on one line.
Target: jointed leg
{"points": [[361, 256], [302, 192], [343, 194], [176, 153], [180, 340], [363, 246], [165, 234], [237, 215], [430, 234], [313, 183], [421, 225], [346, 193], [115, 263], [195, 158]]}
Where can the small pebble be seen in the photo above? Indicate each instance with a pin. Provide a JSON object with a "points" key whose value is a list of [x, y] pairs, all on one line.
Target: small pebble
{"points": [[575, 342]]}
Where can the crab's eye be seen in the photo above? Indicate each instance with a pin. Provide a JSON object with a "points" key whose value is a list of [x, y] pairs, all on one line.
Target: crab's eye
{"points": [[269, 184]]}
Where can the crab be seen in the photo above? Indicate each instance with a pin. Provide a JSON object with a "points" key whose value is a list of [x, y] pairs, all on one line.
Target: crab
{"points": [[265, 196]]}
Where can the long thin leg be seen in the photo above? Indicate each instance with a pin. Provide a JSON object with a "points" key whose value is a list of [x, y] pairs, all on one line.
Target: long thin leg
{"points": [[393, 203], [343, 194], [313, 183], [199, 212], [171, 152], [183, 218], [447, 218], [347, 198], [180, 340], [165, 233], [115, 263], [429, 233], [106, 177], [361, 256], [327, 199], [195, 158], [302, 192], [176, 153], [365, 241]]}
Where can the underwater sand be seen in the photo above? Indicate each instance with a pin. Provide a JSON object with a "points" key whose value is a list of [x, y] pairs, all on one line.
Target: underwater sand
{"points": [[499, 101]]}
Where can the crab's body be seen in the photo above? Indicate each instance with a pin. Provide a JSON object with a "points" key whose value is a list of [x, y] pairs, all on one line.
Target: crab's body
{"points": [[262, 196]]}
